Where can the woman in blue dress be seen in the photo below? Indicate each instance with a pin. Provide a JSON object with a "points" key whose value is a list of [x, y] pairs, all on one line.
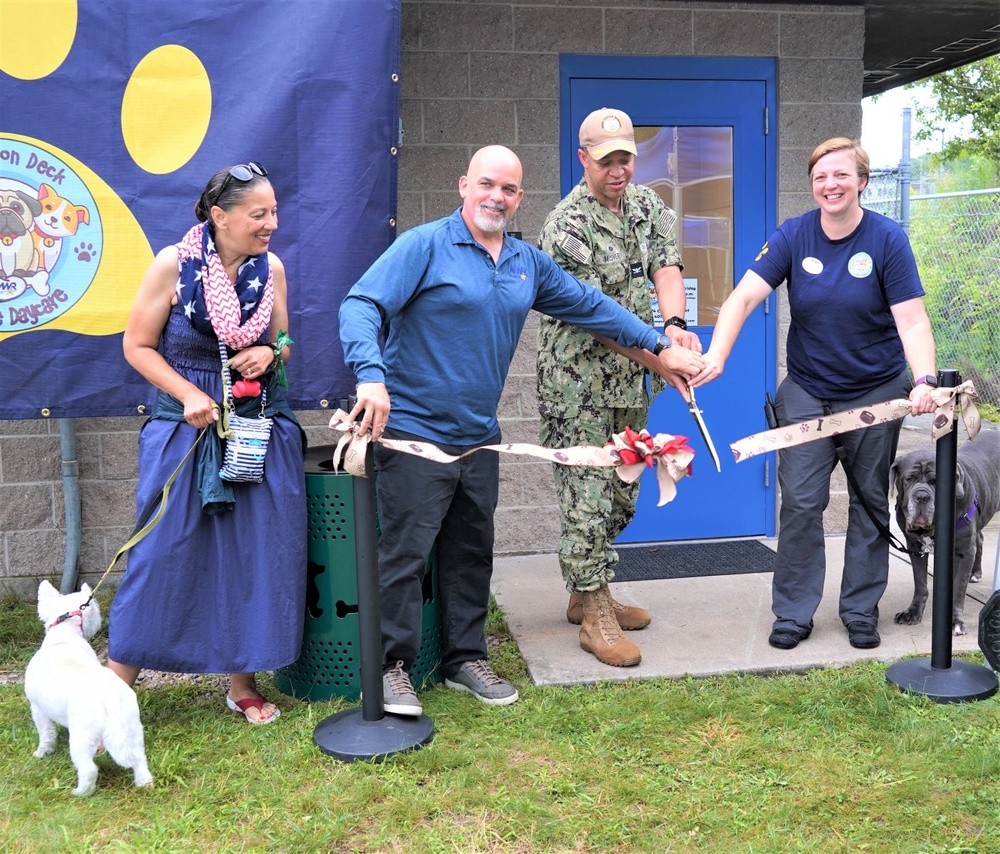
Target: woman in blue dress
{"points": [[218, 586]]}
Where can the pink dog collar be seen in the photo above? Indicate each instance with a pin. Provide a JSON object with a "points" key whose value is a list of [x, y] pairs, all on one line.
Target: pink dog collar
{"points": [[62, 619]]}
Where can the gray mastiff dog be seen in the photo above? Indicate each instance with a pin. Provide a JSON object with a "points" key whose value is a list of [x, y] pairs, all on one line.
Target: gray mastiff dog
{"points": [[977, 499]]}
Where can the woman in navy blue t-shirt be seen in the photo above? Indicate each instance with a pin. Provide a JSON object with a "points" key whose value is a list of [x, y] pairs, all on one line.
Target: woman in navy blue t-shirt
{"points": [[857, 321]]}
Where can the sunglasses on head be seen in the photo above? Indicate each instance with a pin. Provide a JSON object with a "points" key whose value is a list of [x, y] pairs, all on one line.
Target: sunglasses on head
{"points": [[241, 172]]}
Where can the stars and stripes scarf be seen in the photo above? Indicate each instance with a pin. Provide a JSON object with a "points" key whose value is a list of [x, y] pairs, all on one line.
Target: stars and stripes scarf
{"points": [[237, 313]]}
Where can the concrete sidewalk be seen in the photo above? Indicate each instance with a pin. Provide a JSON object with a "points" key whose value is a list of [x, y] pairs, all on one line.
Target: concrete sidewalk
{"points": [[717, 625], [709, 626]]}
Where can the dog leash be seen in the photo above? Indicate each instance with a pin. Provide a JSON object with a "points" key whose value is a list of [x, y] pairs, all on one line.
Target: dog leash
{"points": [[144, 524], [883, 530]]}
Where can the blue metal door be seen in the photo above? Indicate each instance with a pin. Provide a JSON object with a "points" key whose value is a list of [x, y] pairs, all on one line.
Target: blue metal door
{"points": [[706, 141]]}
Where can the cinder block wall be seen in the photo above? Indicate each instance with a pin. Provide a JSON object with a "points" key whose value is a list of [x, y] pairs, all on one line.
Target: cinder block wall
{"points": [[32, 499], [488, 72], [474, 73]]}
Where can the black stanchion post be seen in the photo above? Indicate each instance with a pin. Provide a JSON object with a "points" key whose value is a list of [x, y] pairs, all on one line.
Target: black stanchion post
{"points": [[946, 467], [369, 607], [368, 733], [940, 678]]}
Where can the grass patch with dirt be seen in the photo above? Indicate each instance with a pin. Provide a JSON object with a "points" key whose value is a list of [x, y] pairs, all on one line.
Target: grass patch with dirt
{"points": [[834, 760]]}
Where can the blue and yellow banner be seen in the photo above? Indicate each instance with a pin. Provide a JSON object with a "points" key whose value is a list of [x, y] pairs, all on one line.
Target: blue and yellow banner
{"points": [[113, 116]]}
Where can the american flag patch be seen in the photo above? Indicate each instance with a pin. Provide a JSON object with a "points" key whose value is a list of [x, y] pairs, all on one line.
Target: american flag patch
{"points": [[575, 248]]}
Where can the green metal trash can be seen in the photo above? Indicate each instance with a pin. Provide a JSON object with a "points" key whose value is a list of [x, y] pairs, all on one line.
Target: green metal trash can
{"points": [[330, 662]]}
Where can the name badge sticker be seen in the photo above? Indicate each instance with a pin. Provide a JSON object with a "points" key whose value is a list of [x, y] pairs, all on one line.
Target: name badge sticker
{"points": [[812, 265]]}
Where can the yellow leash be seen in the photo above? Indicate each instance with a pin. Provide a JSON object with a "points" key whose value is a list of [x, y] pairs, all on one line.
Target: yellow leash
{"points": [[139, 532]]}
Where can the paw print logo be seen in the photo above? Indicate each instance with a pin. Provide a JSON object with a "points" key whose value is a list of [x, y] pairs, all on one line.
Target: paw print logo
{"points": [[762, 253], [84, 252]]}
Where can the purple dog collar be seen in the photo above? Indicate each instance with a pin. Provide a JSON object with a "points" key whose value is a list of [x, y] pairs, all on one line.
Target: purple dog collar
{"points": [[966, 520]]}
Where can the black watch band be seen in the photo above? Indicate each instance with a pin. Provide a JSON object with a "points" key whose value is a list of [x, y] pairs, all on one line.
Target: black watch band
{"points": [[662, 343], [929, 379], [679, 322]]}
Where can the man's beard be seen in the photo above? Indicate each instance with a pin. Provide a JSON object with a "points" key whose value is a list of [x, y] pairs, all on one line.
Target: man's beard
{"points": [[484, 222]]}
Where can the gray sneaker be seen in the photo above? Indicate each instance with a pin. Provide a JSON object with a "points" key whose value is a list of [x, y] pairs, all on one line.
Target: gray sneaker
{"points": [[478, 679], [398, 696]]}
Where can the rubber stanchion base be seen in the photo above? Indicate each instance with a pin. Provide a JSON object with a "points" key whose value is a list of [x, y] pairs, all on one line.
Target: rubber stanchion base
{"points": [[960, 683], [349, 737]]}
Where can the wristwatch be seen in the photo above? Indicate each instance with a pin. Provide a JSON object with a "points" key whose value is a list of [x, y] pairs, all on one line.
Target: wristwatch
{"points": [[679, 322], [662, 343], [930, 380]]}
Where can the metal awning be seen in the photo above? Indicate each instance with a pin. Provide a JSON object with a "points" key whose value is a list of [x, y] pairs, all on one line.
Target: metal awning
{"points": [[909, 40]]}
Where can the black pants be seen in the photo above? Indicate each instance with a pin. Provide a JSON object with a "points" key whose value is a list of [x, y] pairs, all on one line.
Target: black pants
{"points": [[804, 476], [420, 504]]}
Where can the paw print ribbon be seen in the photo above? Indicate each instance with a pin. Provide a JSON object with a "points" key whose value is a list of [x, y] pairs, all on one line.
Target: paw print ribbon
{"points": [[629, 453], [962, 397]]}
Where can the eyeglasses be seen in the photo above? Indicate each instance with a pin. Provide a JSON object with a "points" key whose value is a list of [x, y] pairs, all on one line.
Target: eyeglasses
{"points": [[241, 172]]}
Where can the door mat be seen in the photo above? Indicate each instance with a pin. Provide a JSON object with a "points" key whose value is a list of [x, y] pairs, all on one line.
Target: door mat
{"points": [[692, 560]]}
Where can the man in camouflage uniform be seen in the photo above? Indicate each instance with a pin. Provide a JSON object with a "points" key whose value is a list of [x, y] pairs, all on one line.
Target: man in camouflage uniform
{"points": [[613, 235]]}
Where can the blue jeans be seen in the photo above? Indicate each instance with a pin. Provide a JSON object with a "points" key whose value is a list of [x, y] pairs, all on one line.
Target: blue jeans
{"points": [[804, 478]]}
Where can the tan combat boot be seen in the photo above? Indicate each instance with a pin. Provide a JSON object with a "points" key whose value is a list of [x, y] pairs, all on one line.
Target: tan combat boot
{"points": [[600, 633], [629, 617]]}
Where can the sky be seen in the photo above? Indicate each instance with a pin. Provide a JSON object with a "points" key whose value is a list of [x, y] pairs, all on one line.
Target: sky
{"points": [[882, 126]]}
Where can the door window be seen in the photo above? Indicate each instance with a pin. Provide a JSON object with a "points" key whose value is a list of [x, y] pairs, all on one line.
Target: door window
{"points": [[691, 168]]}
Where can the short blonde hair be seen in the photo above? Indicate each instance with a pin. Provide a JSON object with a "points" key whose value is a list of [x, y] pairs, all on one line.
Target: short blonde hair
{"points": [[842, 143]]}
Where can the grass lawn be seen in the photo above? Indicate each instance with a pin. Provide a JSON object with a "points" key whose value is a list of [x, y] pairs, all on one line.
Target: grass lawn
{"points": [[830, 761]]}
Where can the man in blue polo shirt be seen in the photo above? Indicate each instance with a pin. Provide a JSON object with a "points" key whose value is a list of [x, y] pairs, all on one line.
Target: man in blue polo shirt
{"points": [[455, 294]]}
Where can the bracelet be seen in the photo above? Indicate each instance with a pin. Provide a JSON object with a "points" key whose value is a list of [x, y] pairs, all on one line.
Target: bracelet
{"points": [[278, 363], [275, 361], [679, 322]]}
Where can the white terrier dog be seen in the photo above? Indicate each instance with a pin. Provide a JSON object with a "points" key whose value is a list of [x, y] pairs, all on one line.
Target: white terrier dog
{"points": [[66, 684]]}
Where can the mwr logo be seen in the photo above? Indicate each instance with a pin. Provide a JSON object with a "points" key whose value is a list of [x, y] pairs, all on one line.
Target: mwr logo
{"points": [[50, 236]]}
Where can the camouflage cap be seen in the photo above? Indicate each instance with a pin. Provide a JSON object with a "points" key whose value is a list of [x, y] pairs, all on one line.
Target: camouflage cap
{"points": [[606, 130]]}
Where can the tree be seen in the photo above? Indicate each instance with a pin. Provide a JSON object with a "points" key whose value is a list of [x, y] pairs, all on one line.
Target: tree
{"points": [[970, 92]]}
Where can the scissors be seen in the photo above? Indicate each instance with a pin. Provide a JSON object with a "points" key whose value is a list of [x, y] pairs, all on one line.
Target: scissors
{"points": [[695, 411]]}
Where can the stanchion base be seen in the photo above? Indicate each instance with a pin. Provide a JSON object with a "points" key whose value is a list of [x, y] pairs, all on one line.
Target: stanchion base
{"points": [[961, 682], [349, 737]]}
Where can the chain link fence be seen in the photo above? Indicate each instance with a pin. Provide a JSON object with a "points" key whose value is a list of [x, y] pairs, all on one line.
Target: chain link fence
{"points": [[956, 241]]}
